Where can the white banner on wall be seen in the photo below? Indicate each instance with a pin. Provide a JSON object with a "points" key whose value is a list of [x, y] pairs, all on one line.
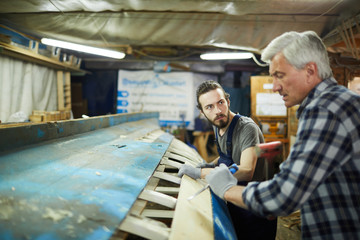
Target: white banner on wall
{"points": [[170, 94], [270, 104]]}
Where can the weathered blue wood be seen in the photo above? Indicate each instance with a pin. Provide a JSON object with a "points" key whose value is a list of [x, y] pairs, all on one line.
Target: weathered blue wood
{"points": [[79, 186], [11, 138]]}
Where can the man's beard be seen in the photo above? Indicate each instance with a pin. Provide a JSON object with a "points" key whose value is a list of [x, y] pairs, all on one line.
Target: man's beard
{"points": [[221, 123]]}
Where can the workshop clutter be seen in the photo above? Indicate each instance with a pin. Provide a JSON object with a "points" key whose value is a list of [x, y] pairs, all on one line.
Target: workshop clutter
{"points": [[45, 116]]}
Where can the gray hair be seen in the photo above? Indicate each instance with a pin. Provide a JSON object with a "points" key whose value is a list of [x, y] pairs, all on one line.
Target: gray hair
{"points": [[300, 49]]}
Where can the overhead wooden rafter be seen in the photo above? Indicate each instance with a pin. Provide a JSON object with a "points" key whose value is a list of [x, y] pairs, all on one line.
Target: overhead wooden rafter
{"points": [[30, 56], [345, 38]]}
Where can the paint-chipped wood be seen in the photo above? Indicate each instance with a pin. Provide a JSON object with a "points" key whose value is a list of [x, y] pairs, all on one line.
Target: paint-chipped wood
{"points": [[78, 186]]}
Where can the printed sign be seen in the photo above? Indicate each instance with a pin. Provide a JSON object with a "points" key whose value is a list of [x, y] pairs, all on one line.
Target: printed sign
{"points": [[170, 94], [270, 104]]}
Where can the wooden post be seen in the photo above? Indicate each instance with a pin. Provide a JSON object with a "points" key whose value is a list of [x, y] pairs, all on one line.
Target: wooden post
{"points": [[67, 88], [60, 88]]}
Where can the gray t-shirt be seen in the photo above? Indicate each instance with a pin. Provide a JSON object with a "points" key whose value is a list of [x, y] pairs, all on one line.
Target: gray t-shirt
{"points": [[246, 134]]}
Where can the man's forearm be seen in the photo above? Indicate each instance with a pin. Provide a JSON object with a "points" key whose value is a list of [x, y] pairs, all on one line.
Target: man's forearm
{"points": [[234, 195], [244, 174]]}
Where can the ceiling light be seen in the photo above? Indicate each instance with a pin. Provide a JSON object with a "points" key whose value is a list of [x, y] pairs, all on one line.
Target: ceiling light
{"points": [[226, 56], [83, 48]]}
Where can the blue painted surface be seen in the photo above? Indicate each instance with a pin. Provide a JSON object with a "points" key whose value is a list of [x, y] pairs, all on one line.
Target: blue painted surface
{"points": [[21, 136], [90, 181], [40, 133], [223, 226]]}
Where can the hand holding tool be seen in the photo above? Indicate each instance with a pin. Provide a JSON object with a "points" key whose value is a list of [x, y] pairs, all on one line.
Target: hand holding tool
{"points": [[232, 168], [268, 150], [191, 171]]}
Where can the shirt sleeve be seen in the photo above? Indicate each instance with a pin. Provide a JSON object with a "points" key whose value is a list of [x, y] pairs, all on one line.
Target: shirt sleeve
{"points": [[321, 147], [249, 134]]}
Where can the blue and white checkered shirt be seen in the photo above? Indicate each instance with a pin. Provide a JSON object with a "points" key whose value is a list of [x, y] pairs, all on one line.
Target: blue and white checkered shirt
{"points": [[321, 175]]}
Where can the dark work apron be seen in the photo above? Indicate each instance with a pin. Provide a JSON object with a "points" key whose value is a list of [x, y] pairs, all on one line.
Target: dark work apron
{"points": [[247, 225], [227, 158]]}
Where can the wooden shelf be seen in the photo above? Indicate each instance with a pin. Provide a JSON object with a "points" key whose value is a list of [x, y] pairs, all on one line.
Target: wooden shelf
{"points": [[30, 56]]}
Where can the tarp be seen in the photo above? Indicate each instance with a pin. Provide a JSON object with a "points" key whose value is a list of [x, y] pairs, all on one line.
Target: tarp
{"points": [[237, 24]]}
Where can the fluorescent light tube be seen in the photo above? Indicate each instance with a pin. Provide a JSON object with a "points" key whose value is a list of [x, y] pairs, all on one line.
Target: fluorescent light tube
{"points": [[226, 56], [83, 48]]}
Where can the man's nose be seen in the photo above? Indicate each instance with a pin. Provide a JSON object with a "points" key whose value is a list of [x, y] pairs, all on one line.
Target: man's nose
{"points": [[217, 109], [276, 86]]}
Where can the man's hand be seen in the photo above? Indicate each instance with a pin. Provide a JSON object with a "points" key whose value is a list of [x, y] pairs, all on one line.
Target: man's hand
{"points": [[221, 180], [192, 172]]}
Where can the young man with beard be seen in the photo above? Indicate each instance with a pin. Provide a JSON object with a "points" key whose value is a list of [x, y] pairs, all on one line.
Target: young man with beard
{"points": [[321, 175], [236, 137]]}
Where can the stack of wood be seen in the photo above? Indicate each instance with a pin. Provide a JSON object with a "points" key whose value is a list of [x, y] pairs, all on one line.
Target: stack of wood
{"points": [[44, 116]]}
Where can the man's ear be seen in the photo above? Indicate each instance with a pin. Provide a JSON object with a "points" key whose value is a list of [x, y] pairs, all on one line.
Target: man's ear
{"points": [[311, 70]]}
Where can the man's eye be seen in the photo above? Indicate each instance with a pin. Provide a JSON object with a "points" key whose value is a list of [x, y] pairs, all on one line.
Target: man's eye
{"points": [[279, 75], [208, 107]]}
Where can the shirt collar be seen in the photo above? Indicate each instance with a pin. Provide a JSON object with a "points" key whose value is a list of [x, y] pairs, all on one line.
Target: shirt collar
{"points": [[315, 92]]}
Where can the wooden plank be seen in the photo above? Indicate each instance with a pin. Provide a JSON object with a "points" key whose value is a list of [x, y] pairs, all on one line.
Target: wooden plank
{"points": [[166, 161], [167, 177], [183, 149], [60, 90], [155, 213], [180, 158], [36, 118], [151, 137], [140, 204], [158, 198], [192, 219], [30, 56], [67, 91], [168, 190], [145, 227]]}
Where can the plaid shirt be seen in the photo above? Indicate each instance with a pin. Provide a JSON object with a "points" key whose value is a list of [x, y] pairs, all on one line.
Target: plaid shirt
{"points": [[321, 176]]}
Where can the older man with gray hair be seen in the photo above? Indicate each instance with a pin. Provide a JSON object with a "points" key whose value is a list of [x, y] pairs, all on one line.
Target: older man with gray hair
{"points": [[321, 175]]}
